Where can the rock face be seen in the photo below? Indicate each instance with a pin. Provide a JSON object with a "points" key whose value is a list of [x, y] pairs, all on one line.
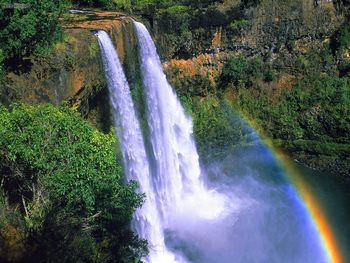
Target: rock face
{"points": [[280, 34], [274, 31], [270, 27], [74, 72], [198, 76], [275, 25]]}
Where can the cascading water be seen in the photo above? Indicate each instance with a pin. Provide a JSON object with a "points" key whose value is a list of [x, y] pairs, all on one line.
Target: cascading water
{"points": [[205, 225], [256, 220], [177, 178], [174, 188], [146, 222]]}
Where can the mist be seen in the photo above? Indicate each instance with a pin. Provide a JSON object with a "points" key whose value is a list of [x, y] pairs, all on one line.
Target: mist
{"points": [[262, 218]]}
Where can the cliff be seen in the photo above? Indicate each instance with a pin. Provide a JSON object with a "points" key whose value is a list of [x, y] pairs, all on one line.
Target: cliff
{"points": [[282, 64], [271, 27], [276, 32], [73, 71], [280, 45]]}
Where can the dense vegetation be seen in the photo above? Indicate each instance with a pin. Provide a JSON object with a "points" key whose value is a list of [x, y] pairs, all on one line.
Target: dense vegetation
{"points": [[307, 114], [310, 118], [27, 27], [217, 130], [61, 196], [179, 21]]}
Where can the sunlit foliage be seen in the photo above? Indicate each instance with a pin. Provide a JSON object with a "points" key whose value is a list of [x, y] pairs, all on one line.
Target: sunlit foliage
{"points": [[62, 190], [28, 26]]}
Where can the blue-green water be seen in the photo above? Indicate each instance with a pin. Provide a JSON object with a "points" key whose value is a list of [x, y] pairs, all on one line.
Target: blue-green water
{"points": [[268, 222], [333, 193]]}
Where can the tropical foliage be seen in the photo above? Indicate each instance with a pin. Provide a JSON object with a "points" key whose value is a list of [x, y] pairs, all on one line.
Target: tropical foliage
{"points": [[62, 197], [310, 115], [217, 127], [28, 26]]}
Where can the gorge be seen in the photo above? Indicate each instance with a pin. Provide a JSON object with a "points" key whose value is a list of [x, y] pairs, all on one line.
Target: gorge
{"points": [[175, 131], [176, 195]]}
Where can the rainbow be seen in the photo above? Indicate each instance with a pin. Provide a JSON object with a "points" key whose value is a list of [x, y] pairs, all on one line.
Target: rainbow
{"points": [[312, 205], [304, 192]]}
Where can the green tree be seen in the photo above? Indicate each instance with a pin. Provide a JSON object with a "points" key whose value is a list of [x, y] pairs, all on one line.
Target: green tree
{"points": [[97, 3], [248, 3], [241, 72], [215, 126], [2, 70], [341, 39], [27, 26], [64, 177]]}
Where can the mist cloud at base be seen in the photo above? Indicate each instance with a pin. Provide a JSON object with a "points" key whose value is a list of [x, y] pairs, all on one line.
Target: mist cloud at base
{"points": [[264, 220]]}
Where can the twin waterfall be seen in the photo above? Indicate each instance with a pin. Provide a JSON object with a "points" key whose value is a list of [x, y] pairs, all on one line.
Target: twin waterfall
{"points": [[147, 222], [169, 172]]}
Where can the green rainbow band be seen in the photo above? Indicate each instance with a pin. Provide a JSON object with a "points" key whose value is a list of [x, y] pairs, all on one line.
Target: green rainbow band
{"points": [[317, 215]]}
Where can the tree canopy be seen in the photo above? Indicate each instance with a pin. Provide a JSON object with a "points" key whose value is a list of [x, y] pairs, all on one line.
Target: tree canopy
{"points": [[61, 191], [27, 26]]}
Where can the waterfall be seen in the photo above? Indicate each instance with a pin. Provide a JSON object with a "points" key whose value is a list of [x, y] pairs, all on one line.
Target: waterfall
{"points": [[177, 177], [181, 216], [146, 221]]}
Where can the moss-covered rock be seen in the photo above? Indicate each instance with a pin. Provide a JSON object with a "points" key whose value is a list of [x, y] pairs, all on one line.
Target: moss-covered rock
{"points": [[268, 28], [73, 71], [198, 76]]}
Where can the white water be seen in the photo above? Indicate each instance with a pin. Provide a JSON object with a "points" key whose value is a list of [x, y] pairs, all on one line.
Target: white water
{"points": [[177, 180], [266, 223], [146, 221]]}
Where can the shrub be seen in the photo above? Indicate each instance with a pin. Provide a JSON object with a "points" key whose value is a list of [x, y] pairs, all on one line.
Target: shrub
{"points": [[2, 70], [341, 38], [103, 3], [236, 71], [214, 127], [174, 18], [241, 72], [249, 3], [28, 26], [64, 177]]}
